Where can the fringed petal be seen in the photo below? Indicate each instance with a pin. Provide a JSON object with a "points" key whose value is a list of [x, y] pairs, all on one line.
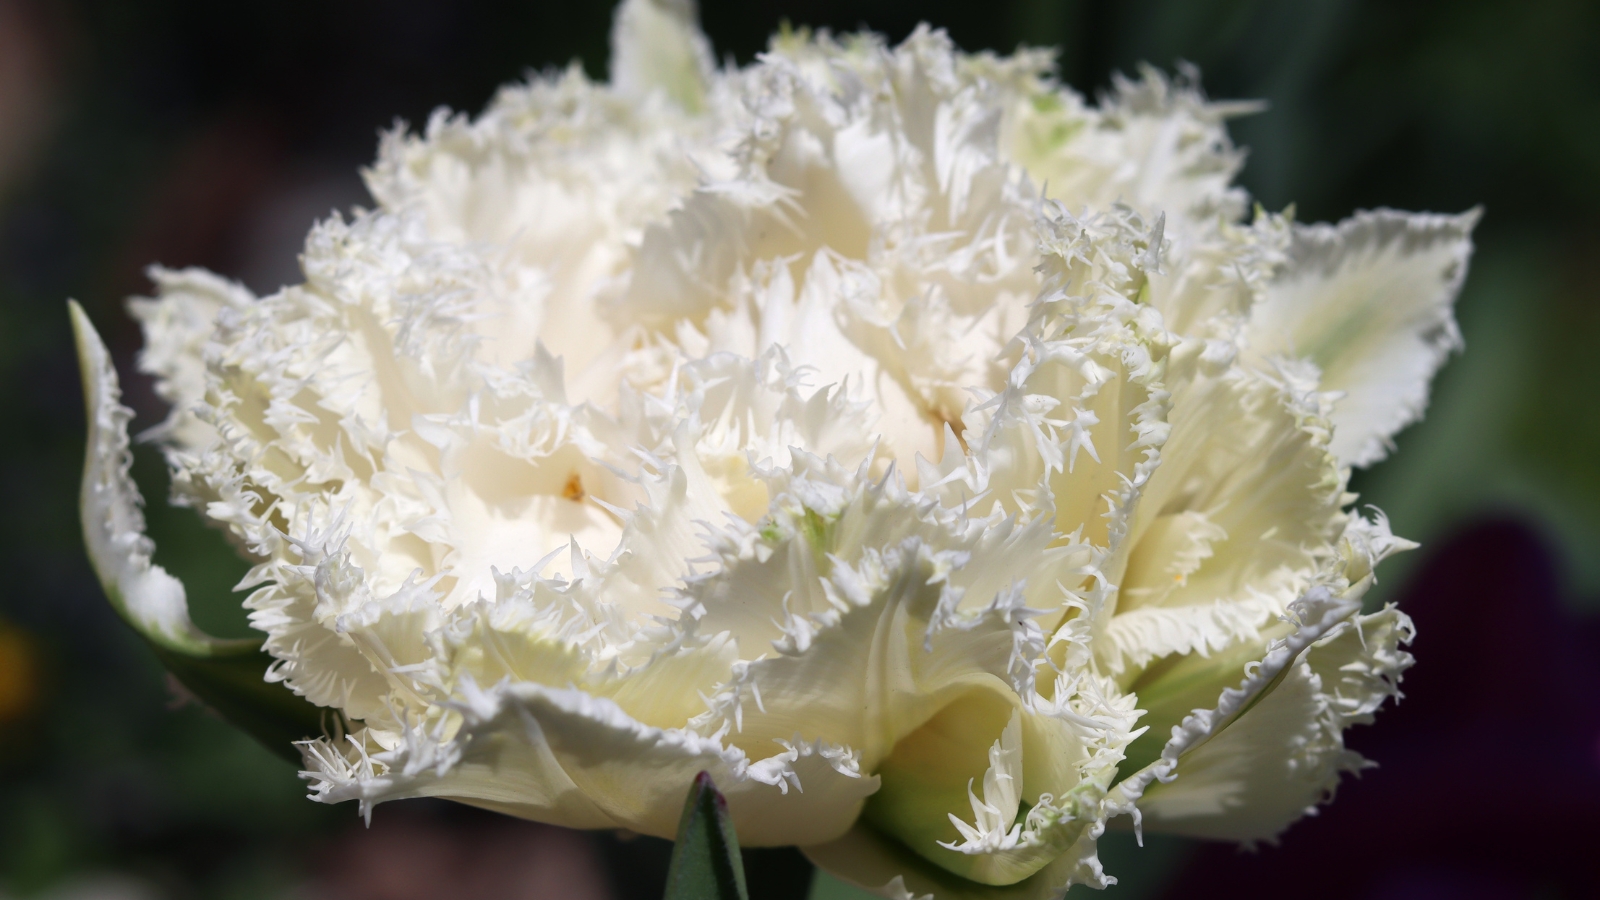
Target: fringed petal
{"points": [[1370, 302], [1286, 754], [113, 524], [560, 755], [656, 45]]}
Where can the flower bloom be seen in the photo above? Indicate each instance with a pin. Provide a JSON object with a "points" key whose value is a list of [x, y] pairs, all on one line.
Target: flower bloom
{"points": [[947, 466]]}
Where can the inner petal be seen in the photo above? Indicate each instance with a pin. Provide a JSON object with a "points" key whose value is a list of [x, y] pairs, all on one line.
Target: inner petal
{"points": [[985, 762]]}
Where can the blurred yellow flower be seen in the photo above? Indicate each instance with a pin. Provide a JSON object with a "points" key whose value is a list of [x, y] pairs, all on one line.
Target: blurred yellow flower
{"points": [[18, 675]]}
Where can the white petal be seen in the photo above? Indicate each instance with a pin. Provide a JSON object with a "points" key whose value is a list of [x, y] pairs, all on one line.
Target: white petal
{"points": [[1229, 637], [860, 675], [657, 45], [113, 525], [861, 611], [1078, 430], [1315, 616], [917, 659], [298, 610], [869, 859], [550, 186], [1369, 301], [1155, 143], [1232, 526], [562, 756], [177, 323], [1133, 639], [1286, 754]]}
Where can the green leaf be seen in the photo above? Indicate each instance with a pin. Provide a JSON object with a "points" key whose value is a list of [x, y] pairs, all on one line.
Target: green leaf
{"points": [[233, 685], [705, 860]]}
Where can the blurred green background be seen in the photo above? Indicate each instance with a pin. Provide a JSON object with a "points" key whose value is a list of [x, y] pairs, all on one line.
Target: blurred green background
{"points": [[213, 134]]}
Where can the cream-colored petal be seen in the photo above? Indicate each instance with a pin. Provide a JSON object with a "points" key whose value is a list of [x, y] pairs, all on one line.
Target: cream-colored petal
{"points": [[871, 860], [150, 598], [820, 555], [656, 45], [1243, 511], [1155, 143], [858, 673], [1078, 430], [1312, 617], [752, 414], [560, 755], [299, 608], [550, 185], [1370, 302], [1285, 755], [177, 323], [915, 658], [1229, 637]]}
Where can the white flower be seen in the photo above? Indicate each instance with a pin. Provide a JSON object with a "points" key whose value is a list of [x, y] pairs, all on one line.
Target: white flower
{"points": [[941, 463]]}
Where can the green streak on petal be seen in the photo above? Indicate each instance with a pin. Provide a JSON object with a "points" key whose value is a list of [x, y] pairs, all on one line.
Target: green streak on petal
{"points": [[818, 532]]}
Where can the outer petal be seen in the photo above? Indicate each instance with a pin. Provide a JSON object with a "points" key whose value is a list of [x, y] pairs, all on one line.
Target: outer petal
{"points": [[1272, 747], [1171, 689], [177, 322], [870, 860], [113, 526], [1369, 301], [1285, 755], [562, 756], [1314, 616], [871, 639], [226, 675], [657, 45]]}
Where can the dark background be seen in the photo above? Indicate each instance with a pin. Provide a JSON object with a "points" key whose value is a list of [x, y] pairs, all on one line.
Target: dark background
{"points": [[208, 133]]}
